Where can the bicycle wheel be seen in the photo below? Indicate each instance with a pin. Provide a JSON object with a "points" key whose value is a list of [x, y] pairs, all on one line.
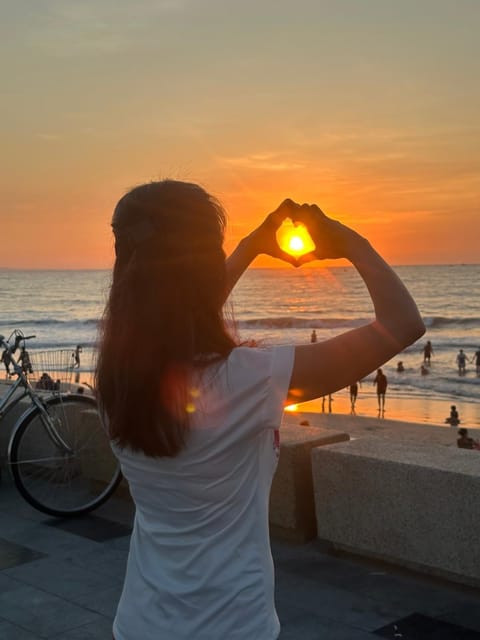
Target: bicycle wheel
{"points": [[58, 480]]}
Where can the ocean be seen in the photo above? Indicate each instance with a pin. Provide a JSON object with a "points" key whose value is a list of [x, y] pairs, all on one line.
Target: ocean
{"points": [[279, 306]]}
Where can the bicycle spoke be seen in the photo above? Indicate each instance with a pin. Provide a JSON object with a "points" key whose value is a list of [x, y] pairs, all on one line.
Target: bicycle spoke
{"points": [[64, 481]]}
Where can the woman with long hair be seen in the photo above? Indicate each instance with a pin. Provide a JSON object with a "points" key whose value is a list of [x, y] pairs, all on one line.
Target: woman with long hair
{"points": [[193, 415]]}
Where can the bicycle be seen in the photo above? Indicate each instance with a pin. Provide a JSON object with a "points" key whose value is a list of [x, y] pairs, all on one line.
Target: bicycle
{"points": [[59, 452]]}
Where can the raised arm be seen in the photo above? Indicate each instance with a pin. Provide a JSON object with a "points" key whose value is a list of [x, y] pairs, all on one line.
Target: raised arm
{"points": [[324, 367], [261, 240]]}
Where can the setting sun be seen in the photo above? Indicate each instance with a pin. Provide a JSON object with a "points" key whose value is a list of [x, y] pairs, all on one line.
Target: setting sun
{"points": [[296, 244], [294, 239]]}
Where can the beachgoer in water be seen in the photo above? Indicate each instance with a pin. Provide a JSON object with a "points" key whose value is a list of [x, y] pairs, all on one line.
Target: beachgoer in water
{"points": [[353, 389], [424, 371], [461, 362], [427, 352], [313, 336], [465, 442], [453, 419], [476, 361], [194, 419], [381, 383], [400, 367]]}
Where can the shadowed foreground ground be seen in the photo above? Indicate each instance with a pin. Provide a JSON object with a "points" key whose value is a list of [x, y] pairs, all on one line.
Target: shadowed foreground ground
{"points": [[62, 579]]}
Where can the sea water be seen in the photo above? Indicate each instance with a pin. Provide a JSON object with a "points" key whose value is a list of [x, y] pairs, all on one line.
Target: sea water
{"points": [[281, 306]]}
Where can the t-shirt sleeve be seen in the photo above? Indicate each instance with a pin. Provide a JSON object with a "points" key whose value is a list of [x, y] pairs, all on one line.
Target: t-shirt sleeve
{"points": [[258, 381], [281, 366]]}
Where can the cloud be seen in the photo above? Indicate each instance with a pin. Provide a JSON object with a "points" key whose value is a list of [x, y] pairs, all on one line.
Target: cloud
{"points": [[266, 161], [48, 136]]}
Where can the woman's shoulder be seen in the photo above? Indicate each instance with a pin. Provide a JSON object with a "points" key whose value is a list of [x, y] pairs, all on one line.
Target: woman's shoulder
{"points": [[258, 355]]}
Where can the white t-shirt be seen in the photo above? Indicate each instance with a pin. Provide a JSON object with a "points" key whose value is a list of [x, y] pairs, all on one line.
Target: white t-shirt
{"points": [[200, 566]]}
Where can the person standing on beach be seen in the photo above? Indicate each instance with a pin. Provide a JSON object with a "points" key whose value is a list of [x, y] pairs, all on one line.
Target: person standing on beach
{"points": [[330, 401], [194, 419], [24, 361], [476, 361], [427, 352], [381, 383], [313, 336], [353, 389], [7, 360], [76, 356], [461, 362]]}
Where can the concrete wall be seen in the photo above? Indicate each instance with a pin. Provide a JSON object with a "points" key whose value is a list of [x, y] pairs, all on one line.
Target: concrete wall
{"points": [[292, 507], [411, 504]]}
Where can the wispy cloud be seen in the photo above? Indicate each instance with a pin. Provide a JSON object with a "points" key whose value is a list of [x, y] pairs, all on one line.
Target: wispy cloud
{"points": [[265, 161], [48, 137]]}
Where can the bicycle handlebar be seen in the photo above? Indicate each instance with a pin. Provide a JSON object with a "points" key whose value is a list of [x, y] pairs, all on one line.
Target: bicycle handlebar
{"points": [[18, 338]]}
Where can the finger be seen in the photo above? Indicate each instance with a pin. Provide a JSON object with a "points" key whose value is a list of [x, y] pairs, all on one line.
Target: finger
{"points": [[286, 209], [303, 214], [306, 257], [286, 257], [317, 209]]}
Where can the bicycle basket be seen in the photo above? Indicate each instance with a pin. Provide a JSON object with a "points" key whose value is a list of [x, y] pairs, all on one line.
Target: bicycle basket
{"points": [[50, 370]]}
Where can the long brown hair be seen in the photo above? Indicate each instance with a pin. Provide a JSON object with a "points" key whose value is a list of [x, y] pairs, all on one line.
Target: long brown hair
{"points": [[164, 314]]}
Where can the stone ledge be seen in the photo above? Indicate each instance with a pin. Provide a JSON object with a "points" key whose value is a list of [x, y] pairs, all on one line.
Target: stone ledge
{"points": [[412, 504], [292, 506]]}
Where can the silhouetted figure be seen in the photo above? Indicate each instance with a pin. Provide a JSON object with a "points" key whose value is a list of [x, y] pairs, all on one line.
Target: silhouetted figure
{"points": [[400, 367], [453, 419], [46, 383], [24, 360], [424, 371], [330, 400], [7, 359], [76, 356], [461, 362], [353, 389], [427, 352], [465, 442], [476, 361], [381, 383], [313, 336]]}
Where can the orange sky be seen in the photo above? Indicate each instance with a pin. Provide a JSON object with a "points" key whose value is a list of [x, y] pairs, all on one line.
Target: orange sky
{"points": [[369, 109]]}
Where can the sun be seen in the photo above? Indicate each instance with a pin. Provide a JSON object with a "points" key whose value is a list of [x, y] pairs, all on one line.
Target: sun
{"points": [[296, 244], [294, 239]]}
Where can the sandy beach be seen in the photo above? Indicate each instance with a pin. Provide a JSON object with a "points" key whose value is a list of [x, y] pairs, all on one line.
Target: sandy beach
{"points": [[424, 409], [361, 426]]}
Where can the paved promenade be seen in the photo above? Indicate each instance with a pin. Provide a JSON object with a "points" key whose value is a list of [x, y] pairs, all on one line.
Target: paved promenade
{"points": [[61, 580]]}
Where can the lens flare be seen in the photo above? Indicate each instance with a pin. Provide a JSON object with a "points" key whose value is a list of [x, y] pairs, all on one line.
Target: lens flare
{"points": [[291, 407]]}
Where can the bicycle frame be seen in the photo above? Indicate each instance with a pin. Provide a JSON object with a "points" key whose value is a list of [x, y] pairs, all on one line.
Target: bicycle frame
{"points": [[9, 401]]}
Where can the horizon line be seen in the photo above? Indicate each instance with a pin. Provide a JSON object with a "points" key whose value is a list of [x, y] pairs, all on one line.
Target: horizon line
{"points": [[306, 266]]}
